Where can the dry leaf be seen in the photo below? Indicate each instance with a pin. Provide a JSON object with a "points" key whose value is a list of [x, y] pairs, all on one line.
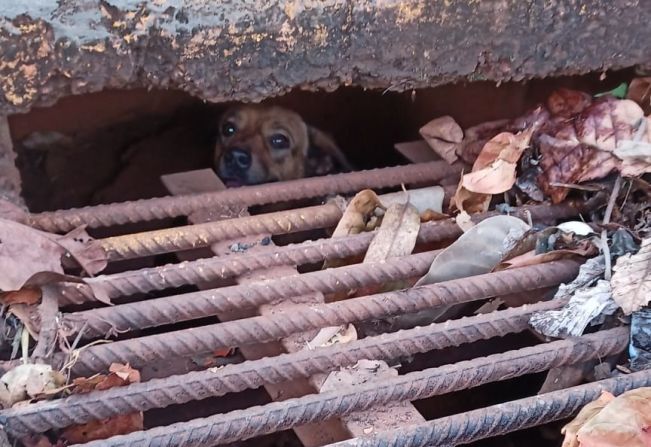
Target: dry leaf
{"points": [[494, 169], [476, 137], [416, 151], [442, 134], [423, 199], [584, 249], [397, 234], [477, 251], [40, 252], [570, 162], [589, 411], [470, 202], [567, 103], [639, 91], [624, 421], [28, 381], [631, 280], [119, 375], [26, 295], [102, 429]]}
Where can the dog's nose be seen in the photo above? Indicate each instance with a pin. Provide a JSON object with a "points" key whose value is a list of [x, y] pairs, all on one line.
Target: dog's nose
{"points": [[238, 159]]}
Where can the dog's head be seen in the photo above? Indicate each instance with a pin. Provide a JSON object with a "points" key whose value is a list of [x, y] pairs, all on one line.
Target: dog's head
{"points": [[259, 144]]}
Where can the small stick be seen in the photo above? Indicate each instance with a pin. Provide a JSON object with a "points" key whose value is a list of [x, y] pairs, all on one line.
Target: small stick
{"points": [[604, 232]]}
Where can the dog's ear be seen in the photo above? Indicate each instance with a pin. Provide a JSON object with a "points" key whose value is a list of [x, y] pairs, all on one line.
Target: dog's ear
{"points": [[323, 154]]}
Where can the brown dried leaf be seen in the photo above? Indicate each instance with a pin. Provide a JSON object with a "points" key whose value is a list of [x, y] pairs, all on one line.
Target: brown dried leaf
{"points": [[494, 169], [570, 162], [470, 202], [567, 103], [442, 134], [589, 411], [41, 252], [584, 249], [26, 295], [120, 375], [102, 429], [639, 91], [624, 421], [476, 137], [631, 280]]}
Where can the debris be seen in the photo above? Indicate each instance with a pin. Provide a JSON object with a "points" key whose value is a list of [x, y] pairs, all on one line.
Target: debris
{"points": [[397, 233], [566, 103], [584, 306], [357, 214], [464, 221], [577, 227], [623, 421], [425, 200], [494, 169], [41, 252], [589, 411], [443, 135], [639, 349], [28, 381], [631, 281], [640, 91], [119, 375], [477, 251], [618, 92]]}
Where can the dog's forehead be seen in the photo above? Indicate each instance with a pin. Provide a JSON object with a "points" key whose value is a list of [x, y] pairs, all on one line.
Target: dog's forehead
{"points": [[260, 116]]}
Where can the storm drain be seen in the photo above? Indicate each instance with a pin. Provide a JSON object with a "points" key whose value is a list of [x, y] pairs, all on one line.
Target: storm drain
{"points": [[273, 312]]}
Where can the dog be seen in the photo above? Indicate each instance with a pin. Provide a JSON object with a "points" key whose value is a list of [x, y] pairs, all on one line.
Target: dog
{"points": [[262, 144]]}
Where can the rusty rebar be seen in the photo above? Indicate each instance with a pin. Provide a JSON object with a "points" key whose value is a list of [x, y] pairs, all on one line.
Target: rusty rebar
{"points": [[502, 418], [260, 329], [163, 207], [193, 272], [187, 237], [244, 424], [159, 393], [189, 306]]}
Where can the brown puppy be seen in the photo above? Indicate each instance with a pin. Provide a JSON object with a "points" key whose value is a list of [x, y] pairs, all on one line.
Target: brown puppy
{"points": [[260, 144]]}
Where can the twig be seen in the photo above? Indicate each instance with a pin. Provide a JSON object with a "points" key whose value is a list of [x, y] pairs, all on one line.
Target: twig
{"points": [[604, 232]]}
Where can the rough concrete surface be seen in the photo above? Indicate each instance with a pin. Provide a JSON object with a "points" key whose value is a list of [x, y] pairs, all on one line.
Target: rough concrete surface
{"points": [[252, 49]]}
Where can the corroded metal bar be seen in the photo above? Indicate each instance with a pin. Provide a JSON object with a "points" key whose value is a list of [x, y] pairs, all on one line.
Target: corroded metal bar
{"points": [[190, 306], [189, 342], [193, 272], [188, 237], [163, 207], [159, 393], [502, 418], [243, 424]]}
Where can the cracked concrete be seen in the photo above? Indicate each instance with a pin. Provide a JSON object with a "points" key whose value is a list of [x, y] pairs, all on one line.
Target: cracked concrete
{"points": [[253, 49]]}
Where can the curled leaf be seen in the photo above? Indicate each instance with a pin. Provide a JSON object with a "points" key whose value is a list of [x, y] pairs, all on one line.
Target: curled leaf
{"points": [[477, 251], [442, 135], [631, 280], [640, 91], [567, 103], [589, 411], [624, 421], [119, 375], [494, 169]]}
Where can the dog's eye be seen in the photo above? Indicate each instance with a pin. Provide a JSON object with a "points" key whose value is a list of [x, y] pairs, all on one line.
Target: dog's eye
{"points": [[279, 141], [228, 129]]}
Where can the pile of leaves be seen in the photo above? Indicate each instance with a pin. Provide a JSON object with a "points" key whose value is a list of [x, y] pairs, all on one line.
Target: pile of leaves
{"points": [[34, 265], [593, 150]]}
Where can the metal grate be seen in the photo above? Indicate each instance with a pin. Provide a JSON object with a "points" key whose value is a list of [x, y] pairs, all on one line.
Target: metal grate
{"points": [[275, 322]]}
